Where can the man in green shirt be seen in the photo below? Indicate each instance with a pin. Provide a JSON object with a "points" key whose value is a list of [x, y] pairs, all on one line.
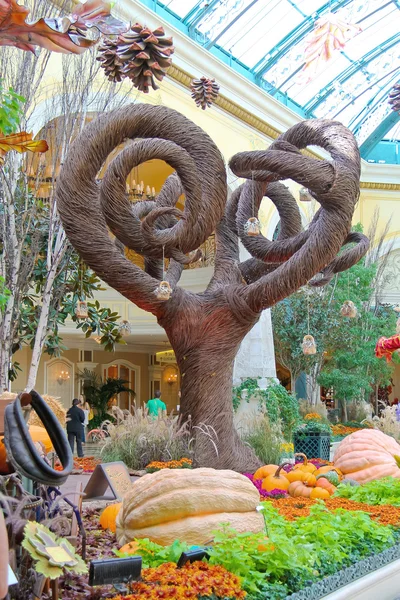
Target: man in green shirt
{"points": [[156, 406]]}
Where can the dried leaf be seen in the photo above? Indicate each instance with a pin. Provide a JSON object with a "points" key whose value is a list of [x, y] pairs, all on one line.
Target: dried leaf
{"points": [[20, 142], [330, 34]]}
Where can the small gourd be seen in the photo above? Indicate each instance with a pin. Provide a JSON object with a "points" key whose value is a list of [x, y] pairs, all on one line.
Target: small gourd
{"points": [[298, 489], [327, 469], [276, 481], [130, 548], [305, 465], [320, 493], [325, 484], [331, 476], [264, 471], [309, 480], [109, 515]]}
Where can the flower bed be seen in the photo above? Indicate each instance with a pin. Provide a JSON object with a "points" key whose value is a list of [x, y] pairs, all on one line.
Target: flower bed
{"points": [[87, 464], [183, 463]]}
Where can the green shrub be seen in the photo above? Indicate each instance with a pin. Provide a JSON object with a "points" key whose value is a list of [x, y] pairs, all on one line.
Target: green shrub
{"points": [[137, 439], [280, 405]]}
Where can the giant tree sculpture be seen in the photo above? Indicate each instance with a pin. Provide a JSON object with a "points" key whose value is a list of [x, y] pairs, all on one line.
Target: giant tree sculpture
{"points": [[206, 329]]}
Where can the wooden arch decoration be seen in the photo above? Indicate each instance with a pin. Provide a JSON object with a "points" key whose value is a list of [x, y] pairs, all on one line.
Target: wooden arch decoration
{"points": [[206, 329]]}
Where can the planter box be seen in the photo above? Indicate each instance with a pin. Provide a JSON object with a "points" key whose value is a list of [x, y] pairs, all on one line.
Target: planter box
{"points": [[313, 445], [377, 576]]}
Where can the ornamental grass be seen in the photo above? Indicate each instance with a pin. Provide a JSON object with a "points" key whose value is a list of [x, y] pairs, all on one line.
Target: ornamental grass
{"points": [[194, 580], [293, 508]]}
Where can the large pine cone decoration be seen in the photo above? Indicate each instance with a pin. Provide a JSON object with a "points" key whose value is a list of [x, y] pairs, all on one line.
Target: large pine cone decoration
{"points": [[204, 91], [394, 98], [139, 54]]}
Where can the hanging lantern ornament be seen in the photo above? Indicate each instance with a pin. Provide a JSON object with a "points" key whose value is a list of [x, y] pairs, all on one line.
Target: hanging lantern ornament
{"points": [[394, 98], [304, 195], [140, 54], [204, 91], [81, 310], [163, 291], [124, 328], [252, 226], [308, 345], [348, 309]]}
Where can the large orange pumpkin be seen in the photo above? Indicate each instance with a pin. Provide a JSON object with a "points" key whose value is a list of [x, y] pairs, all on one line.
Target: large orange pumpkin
{"points": [[295, 475], [188, 505], [109, 515], [38, 434], [368, 454]]}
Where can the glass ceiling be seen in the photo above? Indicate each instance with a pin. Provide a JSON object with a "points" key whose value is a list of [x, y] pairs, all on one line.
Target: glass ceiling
{"points": [[266, 41]]}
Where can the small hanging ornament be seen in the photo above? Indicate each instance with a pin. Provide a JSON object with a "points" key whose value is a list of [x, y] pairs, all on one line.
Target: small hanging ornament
{"points": [[398, 326], [394, 98], [348, 309], [124, 328], [81, 310], [204, 91], [308, 346], [163, 291], [252, 226], [304, 195]]}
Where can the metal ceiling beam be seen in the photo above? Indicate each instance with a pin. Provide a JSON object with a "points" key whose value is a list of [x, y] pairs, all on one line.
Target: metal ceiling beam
{"points": [[351, 70], [193, 18], [376, 136], [211, 43], [298, 33]]}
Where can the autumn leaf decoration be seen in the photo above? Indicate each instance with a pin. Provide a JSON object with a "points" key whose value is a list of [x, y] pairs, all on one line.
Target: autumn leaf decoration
{"points": [[62, 34], [330, 34], [52, 556], [20, 142]]}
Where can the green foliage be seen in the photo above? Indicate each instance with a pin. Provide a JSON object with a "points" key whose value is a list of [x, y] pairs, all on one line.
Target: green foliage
{"points": [[345, 347], [10, 110], [379, 491], [138, 439], [279, 404], [4, 295], [98, 393], [311, 426], [52, 556], [154, 555], [299, 552]]}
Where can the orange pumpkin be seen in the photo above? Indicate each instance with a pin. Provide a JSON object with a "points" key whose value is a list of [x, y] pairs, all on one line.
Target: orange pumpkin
{"points": [[38, 434], [309, 479], [319, 492], [263, 472], [305, 465], [326, 485], [296, 475], [276, 481], [130, 548], [297, 488], [109, 516], [368, 454]]}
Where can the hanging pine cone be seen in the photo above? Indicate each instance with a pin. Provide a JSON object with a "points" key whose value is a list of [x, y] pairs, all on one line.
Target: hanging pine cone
{"points": [[111, 62], [394, 98], [139, 54], [204, 91]]}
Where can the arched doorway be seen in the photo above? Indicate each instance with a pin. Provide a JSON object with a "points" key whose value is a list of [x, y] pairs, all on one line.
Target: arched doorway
{"points": [[123, 369]]}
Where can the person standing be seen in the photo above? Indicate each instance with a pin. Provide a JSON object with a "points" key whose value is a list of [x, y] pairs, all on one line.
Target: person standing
{"points": [[75, 421], [156, 406], [86, 409]]}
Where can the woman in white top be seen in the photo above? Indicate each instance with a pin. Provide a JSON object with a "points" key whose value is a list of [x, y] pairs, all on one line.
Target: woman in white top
{"points": [[86, 409]]}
